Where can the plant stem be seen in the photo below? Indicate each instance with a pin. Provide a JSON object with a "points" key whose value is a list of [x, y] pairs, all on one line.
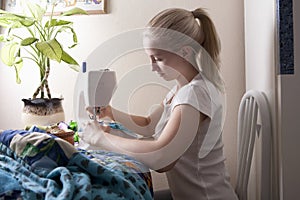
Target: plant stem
{"points": [[44, 83], [47, 75]]}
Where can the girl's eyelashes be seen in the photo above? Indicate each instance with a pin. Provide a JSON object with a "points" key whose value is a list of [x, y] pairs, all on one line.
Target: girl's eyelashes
{"points": [[156, 59]]}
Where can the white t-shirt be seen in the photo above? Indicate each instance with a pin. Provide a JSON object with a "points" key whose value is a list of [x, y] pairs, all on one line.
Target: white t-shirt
{"points": [[200, 172]]}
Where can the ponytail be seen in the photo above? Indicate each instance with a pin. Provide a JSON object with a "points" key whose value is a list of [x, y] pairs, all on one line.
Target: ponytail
{"points": [[209, 64], [211, 42]]}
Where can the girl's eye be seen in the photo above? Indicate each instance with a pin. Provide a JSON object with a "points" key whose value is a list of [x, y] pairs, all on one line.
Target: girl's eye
{"points": [[157, 59]]}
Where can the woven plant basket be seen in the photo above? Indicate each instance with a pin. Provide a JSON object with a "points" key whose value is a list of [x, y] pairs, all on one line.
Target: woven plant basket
{"points": [[68, 136]]}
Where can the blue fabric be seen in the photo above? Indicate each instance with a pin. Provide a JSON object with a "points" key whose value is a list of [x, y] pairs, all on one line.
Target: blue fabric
{"points": [[8, 135], [8, 183], [84, 175], [36, 129]]}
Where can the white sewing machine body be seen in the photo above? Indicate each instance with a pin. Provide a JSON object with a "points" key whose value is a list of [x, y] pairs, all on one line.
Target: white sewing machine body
{"points": [[93, 88]]}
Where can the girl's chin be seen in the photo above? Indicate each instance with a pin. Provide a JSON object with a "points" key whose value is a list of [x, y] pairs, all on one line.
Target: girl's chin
{"points": [[165, 77]]}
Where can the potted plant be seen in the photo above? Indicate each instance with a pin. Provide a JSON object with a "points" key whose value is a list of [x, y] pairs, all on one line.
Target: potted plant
{"points": [[33, 35]]}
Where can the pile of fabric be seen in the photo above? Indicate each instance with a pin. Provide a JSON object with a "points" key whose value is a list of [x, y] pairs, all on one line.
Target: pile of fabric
{"points": [[37, 165]]}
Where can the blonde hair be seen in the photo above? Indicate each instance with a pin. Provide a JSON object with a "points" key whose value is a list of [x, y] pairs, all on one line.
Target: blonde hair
{"points": [[198, 26]]}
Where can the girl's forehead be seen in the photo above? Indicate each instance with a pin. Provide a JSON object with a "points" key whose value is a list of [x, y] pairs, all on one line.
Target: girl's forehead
{"points": [[154, 47], [153, 51], [148, 43]]}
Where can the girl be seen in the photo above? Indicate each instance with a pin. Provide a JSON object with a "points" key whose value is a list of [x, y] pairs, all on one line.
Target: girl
{"points": [[184, 133]]}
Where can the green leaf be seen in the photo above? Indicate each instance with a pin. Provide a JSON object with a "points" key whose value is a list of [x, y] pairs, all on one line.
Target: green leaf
{"points": [[18, 66], [68, 59], [9, 19], [2, 38], [2, 11], [28, 41], [36, 10], [12, 16], [27, 22], [51, 48], [74, 11], [75, 67], [9, 57], [65, 29], [8, 24], [9, 52], [55, 22]]}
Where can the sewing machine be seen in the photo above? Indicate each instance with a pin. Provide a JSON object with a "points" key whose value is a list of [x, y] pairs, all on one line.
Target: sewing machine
{"points": [[93, 88]]}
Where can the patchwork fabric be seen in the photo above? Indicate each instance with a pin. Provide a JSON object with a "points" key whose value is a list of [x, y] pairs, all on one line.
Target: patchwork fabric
{"points": [[41, 166]]}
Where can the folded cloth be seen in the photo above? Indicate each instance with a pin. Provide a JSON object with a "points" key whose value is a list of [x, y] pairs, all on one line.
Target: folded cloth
{"points": [[38, 149]]}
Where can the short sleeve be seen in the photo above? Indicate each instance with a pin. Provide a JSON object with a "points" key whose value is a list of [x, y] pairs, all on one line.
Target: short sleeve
{"points": [[195, 95]]}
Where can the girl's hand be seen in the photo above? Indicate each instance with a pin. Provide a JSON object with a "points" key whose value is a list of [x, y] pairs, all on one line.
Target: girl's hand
{"points": [[101, 112], [93, 133]]}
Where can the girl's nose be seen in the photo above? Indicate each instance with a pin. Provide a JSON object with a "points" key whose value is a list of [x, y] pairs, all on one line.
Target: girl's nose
{"points": [[155, 67]]}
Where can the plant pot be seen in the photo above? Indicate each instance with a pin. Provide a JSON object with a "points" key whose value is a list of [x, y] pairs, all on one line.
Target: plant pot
{"points": [[42, 111]]}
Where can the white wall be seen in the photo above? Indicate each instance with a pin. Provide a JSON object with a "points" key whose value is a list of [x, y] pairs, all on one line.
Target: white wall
{"points": [[260, 33], [123, 16]]}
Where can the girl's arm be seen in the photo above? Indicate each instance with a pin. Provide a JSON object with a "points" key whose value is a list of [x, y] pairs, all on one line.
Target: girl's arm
{"points": [[141, 125], [176, 137]]}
